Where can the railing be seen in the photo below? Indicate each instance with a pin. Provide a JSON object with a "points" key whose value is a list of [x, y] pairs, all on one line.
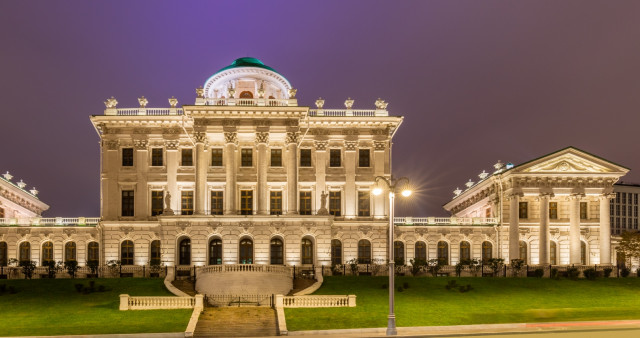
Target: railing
{"points": [[153, 303], [445, 220], [280, 269], [143, 111], [240, 300], [103, 271], [246, 102], [319, 301], [348, 112], [50, 221]]}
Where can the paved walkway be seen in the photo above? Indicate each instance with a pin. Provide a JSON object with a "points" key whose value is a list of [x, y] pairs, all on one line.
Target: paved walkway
{"points": [[237, 322]]}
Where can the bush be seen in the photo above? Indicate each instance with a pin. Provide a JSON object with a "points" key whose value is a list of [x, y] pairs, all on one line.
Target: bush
{"points": [[554, 274], [466, 288], [405, 285], [71, 267], [27, 268], [538, 272], [573, 273], [417, 266], [624, 272], [517, 265], [451, 285], [400, 289], [590, 274], [79, 287], [607, 272], [434, 265], [495, 264], [385, 286]]}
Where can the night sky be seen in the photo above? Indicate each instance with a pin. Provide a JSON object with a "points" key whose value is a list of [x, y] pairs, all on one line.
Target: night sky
{"points": [[477, 81]]}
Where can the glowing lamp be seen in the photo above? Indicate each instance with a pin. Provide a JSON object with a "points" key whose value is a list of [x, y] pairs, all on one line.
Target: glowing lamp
{"points": [[377, 191], [406, 193]]}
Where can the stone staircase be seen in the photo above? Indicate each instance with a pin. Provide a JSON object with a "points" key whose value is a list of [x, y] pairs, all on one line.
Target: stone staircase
{"points": [[244, 279], [237, 322]]}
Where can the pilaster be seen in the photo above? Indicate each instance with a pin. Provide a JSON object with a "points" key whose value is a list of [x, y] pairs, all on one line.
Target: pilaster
{"points": [[351, 194], [231, 144], [514, 225], [262, 140], [292, 172], [605, 228], [202, 162]]}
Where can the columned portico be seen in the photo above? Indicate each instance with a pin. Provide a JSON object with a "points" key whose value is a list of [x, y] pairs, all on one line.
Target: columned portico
{"points": [[201, 173], [574, 228], [231, 142], [262, 139], [544, 228], [605, 229], [514, 224]]}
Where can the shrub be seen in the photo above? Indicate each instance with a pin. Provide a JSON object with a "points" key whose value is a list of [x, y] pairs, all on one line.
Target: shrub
{"points": [[385, 286], [451, 285], [625, 272], [376, 266], [336, 269], [463, 288], [400, 289], [538, 272], [495, 264], [590, 274], [459, 268], [27, 268], [474, 266], [517, 265], [554, 274], [71, 267], [353, 266], [417, 266], [405, 285], [93, 266], [573, 273], [607, 272], [79, 287], [434, 265], [114, 267]]}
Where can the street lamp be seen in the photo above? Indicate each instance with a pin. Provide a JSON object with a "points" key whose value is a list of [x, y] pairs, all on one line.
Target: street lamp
{"points": [[393, 186]]}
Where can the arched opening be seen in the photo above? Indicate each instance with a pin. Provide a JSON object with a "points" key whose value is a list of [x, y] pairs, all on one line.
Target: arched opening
{"points": [[25, 252], [3, 254], [443, 253], [93, 253], [215, 251], [306, 250], [364, 252], [126, 252], [583, 253], [185, 252], [487, 251], [70, 251], [246, 251], [47, 253], [523, 251], [336, 252], [553, 249], [246, 95], [398, 252], [156, 255], [277, 251], [420, 251], [465, 251]]}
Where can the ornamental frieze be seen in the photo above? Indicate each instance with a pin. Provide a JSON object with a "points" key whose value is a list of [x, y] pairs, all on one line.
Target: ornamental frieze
{"points": [[291, 123], [171, 144], [380, 131], [320, 131], [350, 131], [379, 145], [230, 123], [140, 144], [350, 145], [111, 144], [171, 131], [141, 131], [321, 145], [261, 123]]}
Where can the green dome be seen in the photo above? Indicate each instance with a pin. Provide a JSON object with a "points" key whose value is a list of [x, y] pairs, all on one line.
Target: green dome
{"points": [[247, 62]]}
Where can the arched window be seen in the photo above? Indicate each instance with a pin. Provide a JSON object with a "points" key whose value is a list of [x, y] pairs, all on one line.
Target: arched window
{"points": [[215, 251], [307, 251], [47, 253], [465, 251], [126, 253], [246, 95], [156, 253], [523, 251], [398, 252], [364, 251], [277, 252], [185, 252], [70, 251], [93, 252], [443, 253], [336, 252], [25, 252], [583, 253], [553, 253], [246, 251], [3, 254], [421, 251], [487, 251]]}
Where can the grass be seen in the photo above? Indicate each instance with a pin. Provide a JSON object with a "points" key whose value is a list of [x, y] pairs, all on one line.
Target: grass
{"points": [[493, 300], [54, 307]]}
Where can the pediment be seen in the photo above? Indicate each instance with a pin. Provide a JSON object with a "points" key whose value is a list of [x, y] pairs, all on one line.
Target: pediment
{"points": [[571, 161]]}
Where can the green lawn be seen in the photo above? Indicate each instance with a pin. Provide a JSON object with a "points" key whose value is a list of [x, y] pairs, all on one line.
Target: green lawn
{"points": [[54, 307], [493, 300]]}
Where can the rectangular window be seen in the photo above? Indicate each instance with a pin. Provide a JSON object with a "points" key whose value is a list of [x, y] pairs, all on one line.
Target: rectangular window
{"points": [[156, 202], [127, 203], [305, 157], [187, 203], [247, 157], [635, 198], [127, 157], [305, 203], [364, 205], [276, 157], [275, 203], [487, 213], [216, 157], [187, 157], [523, 210], [624, 211], [246, 202], [617, 209], [629, 198], [216, 203], [584, 210], [156, 157], [624, 198], [334, 158], [553, 210], [363, 158], [635, 211], [335, 203]]}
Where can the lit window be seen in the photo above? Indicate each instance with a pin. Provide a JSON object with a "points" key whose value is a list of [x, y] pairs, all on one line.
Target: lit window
{"points": [[187, 203], [127, 203], [93, 252], [523, 210], [187, 157], [275, 203], [215, 252], [47, 253], [276, 248], [305, 203], [246, 203], [465, 251], [421, 251], [398, 252], [336, 252], [487, 251], [363, 158], [364, 252], [553, 210], [307, 251], [3, 254], [364, 204], [443, 253], [305, 157], [70, 251], [216, 157], [276, 157], [247, 157], [157, 197], [584, 209], [25, 252], [216, 203], [155, 253], [127, 157], [156, 157], [126, 253], [335, 203]]}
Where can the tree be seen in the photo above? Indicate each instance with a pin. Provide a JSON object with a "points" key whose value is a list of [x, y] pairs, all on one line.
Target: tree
{"points": [[630, 246], [417, 266], [517, 265], [434, 265], [72, 267], [495, 264]]}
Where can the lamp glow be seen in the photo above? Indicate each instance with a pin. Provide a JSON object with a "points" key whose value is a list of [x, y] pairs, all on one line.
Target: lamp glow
{"points": [[406, 193], [377, 191]]}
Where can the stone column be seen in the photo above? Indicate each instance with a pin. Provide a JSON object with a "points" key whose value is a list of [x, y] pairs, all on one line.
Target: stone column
{"points": [[321, 172], [514, 224], [173, 159], [201, 173], [292, 172], [574, 229], [229, 161], [141, 204], [544, 246], [350, 192], [379, 151], [605, 229], [262, 140], [110, 195]]}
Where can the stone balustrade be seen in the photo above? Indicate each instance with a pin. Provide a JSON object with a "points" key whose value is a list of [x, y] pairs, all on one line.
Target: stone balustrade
{"points": [[144, 111], [279, 269], [318, 301], [248, 102], [445, 220], [49, 221], [348, 112], [155, 303]]}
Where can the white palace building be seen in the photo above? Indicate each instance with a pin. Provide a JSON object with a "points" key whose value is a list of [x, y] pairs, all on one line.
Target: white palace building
{"points": [[247, 176]]}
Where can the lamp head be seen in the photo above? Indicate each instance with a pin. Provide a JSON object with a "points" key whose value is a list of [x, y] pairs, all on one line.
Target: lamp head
{"points": [[406, 193], [377, 191]]}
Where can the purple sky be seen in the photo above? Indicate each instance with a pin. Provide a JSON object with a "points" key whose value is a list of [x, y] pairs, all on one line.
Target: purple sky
{"points": [[477, 81]]}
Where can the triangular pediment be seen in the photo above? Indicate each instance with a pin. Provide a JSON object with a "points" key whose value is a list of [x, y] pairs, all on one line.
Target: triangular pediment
{"points": [[570, 161]]}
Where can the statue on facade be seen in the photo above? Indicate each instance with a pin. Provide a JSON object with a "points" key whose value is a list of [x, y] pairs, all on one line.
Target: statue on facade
{"points": [[167, 204], [323, 204]]}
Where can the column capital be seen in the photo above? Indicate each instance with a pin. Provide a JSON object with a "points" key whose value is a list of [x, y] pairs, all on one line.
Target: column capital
{"points": [[292, 137], [513, 195], [262, 138], [200, 137], [607, 196], [231, 138], [546, 195], [575, 197]]}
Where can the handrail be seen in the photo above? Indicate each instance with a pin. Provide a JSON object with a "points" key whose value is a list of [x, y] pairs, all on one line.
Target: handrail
{"points": [[445, 220], [50, 221], [144, 111]]}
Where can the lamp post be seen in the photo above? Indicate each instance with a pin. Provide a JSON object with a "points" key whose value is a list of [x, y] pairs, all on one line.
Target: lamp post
{"points": [[392, 185]]}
